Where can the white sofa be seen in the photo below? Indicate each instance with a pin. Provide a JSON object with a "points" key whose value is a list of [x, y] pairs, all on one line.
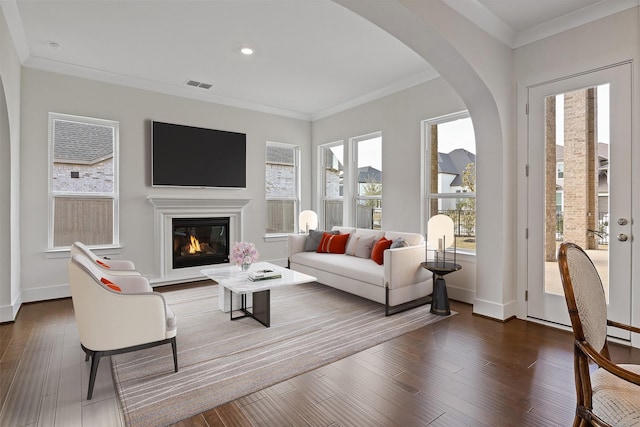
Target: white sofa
{"points": [[399, 283]]}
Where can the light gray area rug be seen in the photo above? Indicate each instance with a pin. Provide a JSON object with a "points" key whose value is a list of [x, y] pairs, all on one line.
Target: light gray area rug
{"points": [[221, 360]]}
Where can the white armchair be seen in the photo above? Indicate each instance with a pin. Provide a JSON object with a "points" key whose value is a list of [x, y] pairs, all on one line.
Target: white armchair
{"points": [[117, 314], [116, 265]]}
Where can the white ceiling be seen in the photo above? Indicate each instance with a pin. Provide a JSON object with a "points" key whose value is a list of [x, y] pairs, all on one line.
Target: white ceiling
{"points": [[313, 57]]}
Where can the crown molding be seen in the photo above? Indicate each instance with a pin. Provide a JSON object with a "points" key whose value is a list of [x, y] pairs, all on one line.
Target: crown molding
{"points": [[154, 86], [377, 94], [480, 15], [14, 23], [572, 20]]}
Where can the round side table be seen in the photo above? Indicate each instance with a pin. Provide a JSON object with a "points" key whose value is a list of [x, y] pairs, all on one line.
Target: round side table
{"points": [[440, 300]]}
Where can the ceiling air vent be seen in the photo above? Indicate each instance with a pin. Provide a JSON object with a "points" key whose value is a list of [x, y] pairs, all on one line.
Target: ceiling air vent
{"points": [[194, 83]]}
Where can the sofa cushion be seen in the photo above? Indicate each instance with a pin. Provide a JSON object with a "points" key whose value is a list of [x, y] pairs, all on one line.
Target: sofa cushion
{"points": [[377, 252], [360, 246], [364, 270], [313, 239], [333, 243]]}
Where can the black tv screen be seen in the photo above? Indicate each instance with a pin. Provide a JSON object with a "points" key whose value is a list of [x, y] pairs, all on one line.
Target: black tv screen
{"points": [[189, 156]]}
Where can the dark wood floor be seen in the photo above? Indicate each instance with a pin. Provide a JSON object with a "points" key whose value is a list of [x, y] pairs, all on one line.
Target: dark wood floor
{"points": [[466, 370]]}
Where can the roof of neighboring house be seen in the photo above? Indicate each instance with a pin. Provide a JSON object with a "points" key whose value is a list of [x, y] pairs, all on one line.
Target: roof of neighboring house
{"points": [[81, 142], [454, 163], [369, 174]]}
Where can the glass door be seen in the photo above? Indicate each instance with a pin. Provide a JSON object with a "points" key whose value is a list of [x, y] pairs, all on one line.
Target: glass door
{"points": [[580, 187]]}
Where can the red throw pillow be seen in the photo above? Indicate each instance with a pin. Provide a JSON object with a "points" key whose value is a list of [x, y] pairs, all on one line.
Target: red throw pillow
{"points": [[102, 264], [377, 253], [111, 285], [333, 243]]}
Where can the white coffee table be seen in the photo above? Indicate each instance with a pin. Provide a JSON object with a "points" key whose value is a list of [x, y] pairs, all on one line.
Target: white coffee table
{"points": [[232, 281]]}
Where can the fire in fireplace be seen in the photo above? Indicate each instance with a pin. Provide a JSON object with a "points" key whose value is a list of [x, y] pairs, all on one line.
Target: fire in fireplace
{"points": [[200, 241]]}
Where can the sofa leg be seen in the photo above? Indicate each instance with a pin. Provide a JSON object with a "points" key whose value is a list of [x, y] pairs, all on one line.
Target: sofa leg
{"points": [[390, 310]]}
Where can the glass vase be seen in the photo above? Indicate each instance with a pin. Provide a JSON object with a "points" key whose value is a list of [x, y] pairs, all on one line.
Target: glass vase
{"points": [[245, 266]]}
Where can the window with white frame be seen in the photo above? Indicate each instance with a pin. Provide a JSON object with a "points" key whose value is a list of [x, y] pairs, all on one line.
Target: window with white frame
{"points": [[367, 178], [282, 180], [560, 170], [450, 174], [332, 170], [83, 181]]}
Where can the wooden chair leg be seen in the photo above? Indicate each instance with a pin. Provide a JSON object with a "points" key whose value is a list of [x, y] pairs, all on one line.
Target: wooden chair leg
{"points": [[95, 360]]}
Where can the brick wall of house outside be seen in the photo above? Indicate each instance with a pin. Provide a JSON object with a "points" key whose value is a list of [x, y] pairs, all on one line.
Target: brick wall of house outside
{"points": [[96, 178], [550, 179], [580, 201]]}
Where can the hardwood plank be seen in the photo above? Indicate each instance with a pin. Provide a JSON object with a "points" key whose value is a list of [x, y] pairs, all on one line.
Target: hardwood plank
{"points": [[265, 412], [230, 414], [390, 397], [298, 402], [465, 370]]}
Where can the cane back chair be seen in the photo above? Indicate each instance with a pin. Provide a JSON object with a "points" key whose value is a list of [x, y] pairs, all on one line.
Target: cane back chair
{"points": [[610, 395]]}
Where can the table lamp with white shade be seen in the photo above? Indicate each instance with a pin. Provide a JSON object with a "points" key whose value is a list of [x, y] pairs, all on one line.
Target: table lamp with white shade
{"points": [[308, 220], [441, 236]]}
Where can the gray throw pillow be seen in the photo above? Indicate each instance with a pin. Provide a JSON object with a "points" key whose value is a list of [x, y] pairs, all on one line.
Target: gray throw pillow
{"points": [[313, 239], [399, 243]]}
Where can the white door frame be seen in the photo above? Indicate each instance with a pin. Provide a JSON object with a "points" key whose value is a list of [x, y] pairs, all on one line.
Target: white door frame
{"points": [[620, 253]]}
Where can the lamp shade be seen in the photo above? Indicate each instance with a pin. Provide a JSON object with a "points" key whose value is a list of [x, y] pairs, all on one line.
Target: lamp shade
{"points": [[308, 220], [440, 233]]}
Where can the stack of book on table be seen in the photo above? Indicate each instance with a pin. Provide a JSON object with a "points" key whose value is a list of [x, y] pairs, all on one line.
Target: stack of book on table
{"points": [[254, 276]]}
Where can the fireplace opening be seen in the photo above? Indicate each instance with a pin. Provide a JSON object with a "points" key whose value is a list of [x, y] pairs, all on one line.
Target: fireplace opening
{"points": [[200, 241]]}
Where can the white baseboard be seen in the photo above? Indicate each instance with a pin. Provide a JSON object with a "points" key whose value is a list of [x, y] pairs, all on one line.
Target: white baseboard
{"points": [[8, 313], [494, 310], [461, 294], [46, 293]]}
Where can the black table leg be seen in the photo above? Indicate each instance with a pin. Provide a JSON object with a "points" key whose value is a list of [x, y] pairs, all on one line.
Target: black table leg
{"points": [[440, 303]]}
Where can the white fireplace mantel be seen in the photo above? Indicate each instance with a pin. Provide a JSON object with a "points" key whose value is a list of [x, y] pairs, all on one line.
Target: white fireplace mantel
{"points": [[167, 208], [188, 202]]}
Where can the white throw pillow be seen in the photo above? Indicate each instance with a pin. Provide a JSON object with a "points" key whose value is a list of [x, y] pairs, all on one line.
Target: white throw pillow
{"points": [[360, 246]]}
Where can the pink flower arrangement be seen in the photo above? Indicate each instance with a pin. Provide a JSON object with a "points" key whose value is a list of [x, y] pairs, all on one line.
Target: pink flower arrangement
{"points": [[244, 253]]}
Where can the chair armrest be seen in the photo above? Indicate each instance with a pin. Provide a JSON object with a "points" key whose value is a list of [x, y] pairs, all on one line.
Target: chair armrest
{"points": [[606, 364], [295, 243], [115, 272], [623, 326], [119, 264], [132, 284], [402, 266]]}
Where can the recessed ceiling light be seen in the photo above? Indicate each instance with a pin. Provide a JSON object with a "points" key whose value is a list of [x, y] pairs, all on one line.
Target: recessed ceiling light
{"points": [[247, 50]]}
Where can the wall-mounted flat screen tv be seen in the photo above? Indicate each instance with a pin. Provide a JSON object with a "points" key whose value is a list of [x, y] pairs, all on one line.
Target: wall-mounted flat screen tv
{"points": [[187, 156]]}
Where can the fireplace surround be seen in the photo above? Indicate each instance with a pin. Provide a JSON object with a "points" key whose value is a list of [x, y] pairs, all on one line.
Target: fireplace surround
{"points": [[191, 210]]}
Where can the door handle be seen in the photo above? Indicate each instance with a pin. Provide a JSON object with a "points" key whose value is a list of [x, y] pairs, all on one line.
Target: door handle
{"points": [[622, 221], [622, 237]]}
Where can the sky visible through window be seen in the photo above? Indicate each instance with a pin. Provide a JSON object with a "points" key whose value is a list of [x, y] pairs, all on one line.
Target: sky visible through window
{"points": [[456, 134]]}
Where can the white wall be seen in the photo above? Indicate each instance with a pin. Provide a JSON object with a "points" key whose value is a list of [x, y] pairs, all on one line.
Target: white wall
{"points": [[602, 43], [479, 69], [9, 175], [398, 117], [44, 92]]}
